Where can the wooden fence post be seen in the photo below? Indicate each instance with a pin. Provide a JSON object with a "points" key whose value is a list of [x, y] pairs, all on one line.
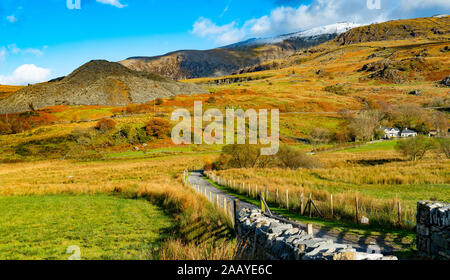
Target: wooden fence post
{"points": [[331, 206], [310, 230], [301, 204], [356, 212], [263, 207], [225, 204], [287, 199], [309, 203], [235, 209], [276, 197]]}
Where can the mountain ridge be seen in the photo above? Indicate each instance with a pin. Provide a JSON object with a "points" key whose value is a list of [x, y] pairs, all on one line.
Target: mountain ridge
{"points": [[97, 82], [186, 64]]}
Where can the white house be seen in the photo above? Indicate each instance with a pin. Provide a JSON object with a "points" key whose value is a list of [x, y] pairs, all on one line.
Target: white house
{"points": [[408, 133], [393, 132], [390, 132]]}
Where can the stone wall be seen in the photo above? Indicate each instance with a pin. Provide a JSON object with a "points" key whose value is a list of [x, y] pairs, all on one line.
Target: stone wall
{"points": [[433, 234], [262, 237]]}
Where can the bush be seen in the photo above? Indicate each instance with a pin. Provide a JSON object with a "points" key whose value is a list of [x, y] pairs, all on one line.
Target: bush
{"points": [[249, 156], [158, 127], [415, 148], [444, 145], [142, 136], [208, 165], [291, 158], [241, 156], [105, 125], [134, 135]]}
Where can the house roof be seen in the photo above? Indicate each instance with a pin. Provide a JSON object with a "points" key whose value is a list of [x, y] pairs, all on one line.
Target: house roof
{"points": [[390, 129], [408, 131]]}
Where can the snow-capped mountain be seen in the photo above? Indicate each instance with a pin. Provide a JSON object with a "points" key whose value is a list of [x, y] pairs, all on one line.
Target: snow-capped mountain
{"points": [[185, 64], [332, 29]]}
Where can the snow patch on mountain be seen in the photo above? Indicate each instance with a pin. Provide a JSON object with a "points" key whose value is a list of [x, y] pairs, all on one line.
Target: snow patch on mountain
{"points": [[336, 28]]}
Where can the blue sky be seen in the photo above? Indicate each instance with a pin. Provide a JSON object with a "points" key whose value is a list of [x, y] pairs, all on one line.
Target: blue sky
{"points": [[45, 39]]}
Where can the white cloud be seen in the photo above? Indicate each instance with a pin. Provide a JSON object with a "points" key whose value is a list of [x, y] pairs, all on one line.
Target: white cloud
{"points": [[26, 74], [225, 34], [13, 49], [423, 4], [115, 3], [285, 19], [12, 19]]}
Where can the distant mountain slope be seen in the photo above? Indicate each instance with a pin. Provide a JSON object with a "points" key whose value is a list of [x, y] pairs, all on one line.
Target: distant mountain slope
{"points": [[433, 28], [97, 82], [218, 62], [305, 36]]}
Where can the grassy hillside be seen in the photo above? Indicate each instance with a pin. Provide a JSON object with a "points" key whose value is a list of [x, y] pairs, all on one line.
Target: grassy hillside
{"points": [[6, 91]]}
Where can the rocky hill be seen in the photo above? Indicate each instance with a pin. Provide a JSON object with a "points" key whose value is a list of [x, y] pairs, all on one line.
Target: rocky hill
{"points": [[97, 82], [186, 64]]}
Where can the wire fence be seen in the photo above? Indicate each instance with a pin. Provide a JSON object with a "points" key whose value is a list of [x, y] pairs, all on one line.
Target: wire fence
{"points": [[338, 207], [222, 202]]}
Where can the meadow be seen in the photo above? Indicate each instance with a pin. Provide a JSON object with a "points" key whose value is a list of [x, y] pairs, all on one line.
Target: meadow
{"points": [[375, 174], [103, 227], [139, 207]]}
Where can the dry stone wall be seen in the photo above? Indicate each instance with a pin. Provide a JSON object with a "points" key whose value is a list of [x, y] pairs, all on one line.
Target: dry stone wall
{"points": [[262, 237], [433, 232]]}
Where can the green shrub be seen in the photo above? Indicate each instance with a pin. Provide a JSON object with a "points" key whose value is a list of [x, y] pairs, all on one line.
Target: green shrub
{"points": [[337, 89], [415, 148]]}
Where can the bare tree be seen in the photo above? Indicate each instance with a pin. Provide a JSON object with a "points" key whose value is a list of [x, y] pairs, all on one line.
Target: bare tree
{"points": [[439, 122], [444, 145], [365, 123], [320, 136], [408, 116]]}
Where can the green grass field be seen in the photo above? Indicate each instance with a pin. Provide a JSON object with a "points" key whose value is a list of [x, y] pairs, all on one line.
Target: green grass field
{"points": [[103, 227], [377, 146]]}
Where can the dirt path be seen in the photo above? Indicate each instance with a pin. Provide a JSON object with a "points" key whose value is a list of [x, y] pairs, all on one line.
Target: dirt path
{"points": [[363, 243]]}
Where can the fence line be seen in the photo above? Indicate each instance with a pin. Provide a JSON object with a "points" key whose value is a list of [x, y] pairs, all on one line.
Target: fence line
{"points": [[331, 208]]}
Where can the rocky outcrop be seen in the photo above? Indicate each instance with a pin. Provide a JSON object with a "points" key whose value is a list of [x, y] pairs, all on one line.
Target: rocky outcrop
{"points": [[264, 238], [433, 229], [446, 81], [97, 83]]}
